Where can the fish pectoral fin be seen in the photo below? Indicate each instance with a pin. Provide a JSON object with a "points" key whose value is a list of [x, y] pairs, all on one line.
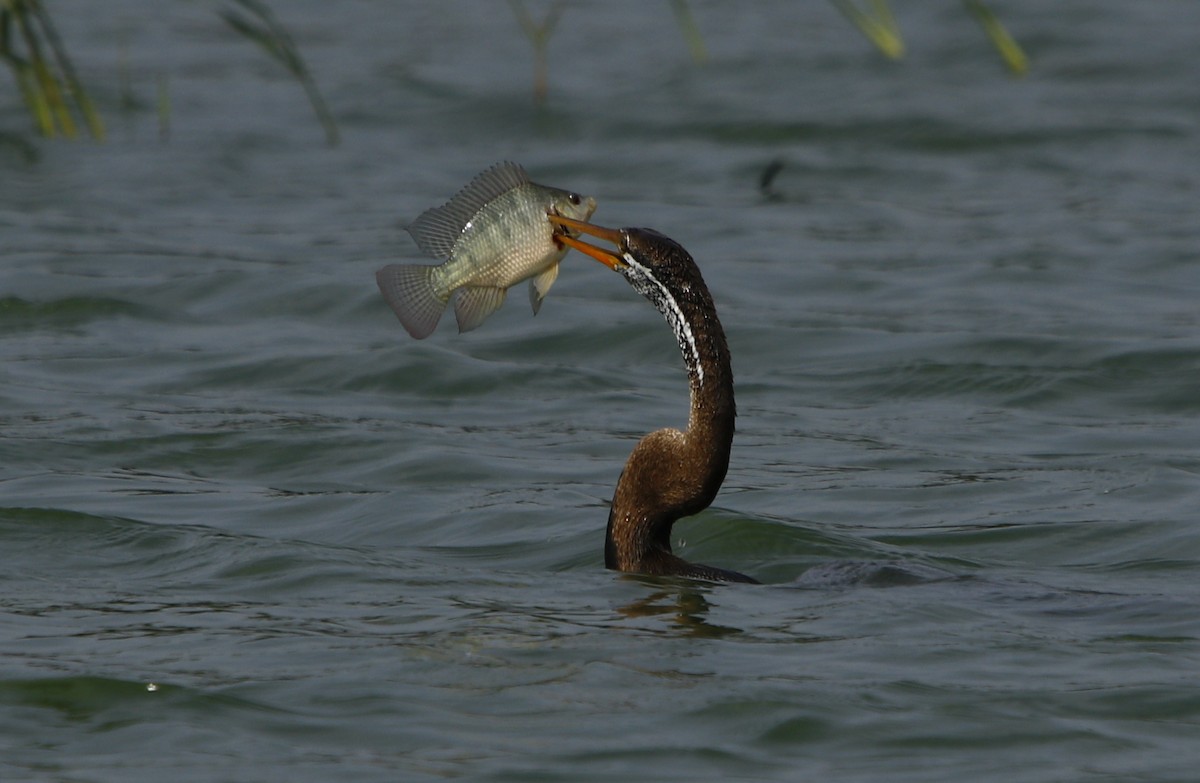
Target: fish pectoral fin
{"points": [[540, 286], [474, 303], [436, 230]]}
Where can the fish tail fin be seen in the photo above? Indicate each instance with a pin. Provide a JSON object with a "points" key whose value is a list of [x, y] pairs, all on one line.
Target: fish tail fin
{"points": [[474, 303], [409, 291]]}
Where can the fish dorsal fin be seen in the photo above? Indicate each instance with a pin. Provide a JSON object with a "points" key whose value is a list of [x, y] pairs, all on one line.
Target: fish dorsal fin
{"points": [[436, 230], [474, 303], [540, 286]]}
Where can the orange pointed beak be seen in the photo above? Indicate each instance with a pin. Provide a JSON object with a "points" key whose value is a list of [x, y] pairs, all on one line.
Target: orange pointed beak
{"points": [[609, 258]]}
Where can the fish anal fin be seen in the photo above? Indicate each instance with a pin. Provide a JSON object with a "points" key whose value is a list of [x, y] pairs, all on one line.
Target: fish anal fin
{"points": [[539, 286], [474, 303], [436, 230], [409, 291]]}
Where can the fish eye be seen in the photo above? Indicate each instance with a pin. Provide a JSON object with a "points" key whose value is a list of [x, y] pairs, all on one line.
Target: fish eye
{"points": [[574, 198]]}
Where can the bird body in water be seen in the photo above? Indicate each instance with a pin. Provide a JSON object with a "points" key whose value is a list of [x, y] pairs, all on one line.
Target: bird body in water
{"points": [[671, 473]]}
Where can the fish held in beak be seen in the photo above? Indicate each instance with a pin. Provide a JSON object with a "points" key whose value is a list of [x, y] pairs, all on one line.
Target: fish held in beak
{"points": [[490, 236], [571, 228]]}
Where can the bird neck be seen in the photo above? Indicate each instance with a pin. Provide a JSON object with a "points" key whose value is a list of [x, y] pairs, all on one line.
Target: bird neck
{"points": [[673, 473]]}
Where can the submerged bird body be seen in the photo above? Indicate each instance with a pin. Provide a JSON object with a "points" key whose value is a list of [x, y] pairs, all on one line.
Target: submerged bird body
{"points": [[671, 473], [492, 235]]}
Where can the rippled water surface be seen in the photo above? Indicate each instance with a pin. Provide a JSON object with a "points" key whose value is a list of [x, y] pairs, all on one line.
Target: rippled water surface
{"points": [[250, 530]]}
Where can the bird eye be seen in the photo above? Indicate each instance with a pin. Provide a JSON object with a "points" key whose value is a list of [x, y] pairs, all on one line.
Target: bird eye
{"points": [[574, 198]]}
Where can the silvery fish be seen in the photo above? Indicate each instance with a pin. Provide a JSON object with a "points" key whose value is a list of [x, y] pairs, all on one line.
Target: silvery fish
{"points": [[493, 234]]}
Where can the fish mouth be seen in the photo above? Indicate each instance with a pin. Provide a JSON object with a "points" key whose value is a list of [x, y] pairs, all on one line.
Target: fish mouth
{"points": [[571, 227]]}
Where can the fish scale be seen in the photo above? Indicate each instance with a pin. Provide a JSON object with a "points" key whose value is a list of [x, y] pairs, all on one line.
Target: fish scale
{"points": [[492, 235], [506, 237]]}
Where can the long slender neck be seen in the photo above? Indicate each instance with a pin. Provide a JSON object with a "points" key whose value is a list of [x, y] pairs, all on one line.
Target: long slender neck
{"points": [[709, 433], [672, 474]]}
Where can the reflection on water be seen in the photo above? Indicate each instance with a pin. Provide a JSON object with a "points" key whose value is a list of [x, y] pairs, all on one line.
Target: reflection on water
{"points": [[686, 606]]}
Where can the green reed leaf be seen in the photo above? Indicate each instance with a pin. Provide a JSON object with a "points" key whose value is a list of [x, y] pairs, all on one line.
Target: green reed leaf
{"points": [[264, 29], [878, 26], [1010, 51], [690, 30], [45, 76]]}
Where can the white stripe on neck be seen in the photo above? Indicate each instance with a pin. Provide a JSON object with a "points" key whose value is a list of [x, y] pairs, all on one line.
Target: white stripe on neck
{"points": [[674, 316]]}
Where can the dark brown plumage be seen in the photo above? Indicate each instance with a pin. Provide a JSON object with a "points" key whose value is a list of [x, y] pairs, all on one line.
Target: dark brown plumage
{"points": [[671, 473]]}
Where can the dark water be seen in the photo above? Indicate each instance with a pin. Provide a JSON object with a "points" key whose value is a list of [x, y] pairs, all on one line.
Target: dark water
{"points": [[249, 530]]}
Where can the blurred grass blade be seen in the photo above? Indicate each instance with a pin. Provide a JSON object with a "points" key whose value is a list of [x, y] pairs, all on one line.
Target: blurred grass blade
{"points": [[162, 105], [22, 71], [1010, 51], [47, 82], [264, 29], [53, 115], [879, 26], [35, 101], [691, 32], [74, 86], [531, 28], [886, 19], [539, 37]]}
